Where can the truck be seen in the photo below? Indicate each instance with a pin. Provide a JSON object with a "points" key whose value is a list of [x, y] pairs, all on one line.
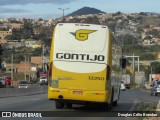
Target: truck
{"points": [[43, 80], [126, 80]]}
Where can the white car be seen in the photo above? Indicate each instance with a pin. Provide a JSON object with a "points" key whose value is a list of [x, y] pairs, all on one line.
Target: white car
{"points": [[123, 87]]}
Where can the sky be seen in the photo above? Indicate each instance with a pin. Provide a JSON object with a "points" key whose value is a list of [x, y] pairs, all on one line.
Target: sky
{"points": [[49, 8]]}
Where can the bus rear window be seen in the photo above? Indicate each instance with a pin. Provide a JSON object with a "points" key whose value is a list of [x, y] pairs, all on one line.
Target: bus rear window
{"points": [[81, 38]]}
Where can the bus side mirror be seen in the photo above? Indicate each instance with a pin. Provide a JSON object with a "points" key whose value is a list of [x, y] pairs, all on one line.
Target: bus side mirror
{"points": [[123, 63]]}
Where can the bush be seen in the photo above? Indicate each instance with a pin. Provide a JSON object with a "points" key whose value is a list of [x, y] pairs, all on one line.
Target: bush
{"points": [[147, 56]]}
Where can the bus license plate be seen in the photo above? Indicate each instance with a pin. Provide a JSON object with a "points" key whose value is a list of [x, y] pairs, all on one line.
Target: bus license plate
{"points": [[78, 92]]}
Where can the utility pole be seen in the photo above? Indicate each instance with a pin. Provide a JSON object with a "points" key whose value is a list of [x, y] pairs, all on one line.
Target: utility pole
{"points": [[63, 11], [25, 68], [43, 57], [29, 68]]}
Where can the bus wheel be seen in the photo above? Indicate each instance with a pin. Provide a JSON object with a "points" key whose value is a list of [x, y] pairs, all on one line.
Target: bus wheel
{"points": [[115, 103], [59, 105], [110, 105], [68, 105]]}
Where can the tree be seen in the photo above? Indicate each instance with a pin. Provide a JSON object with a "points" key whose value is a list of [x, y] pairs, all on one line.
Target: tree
{"points": [[148, 37], [37, 52], [139, 29], [142, 13], [44, 32], [12, 37], [154, 32], [147, 26], [1, 50], [118, 13], [75, 20], [27, 30], [129, 39], [112, 26], [40, 19], [92, 20], [147, 56], [155, 67]]}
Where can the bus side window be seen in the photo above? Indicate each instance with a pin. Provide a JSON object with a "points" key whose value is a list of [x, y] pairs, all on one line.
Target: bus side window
{"points": [[123, 63]]}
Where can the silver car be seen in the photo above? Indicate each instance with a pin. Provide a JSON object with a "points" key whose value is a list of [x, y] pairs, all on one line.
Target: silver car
{"points": [[23, 84]]}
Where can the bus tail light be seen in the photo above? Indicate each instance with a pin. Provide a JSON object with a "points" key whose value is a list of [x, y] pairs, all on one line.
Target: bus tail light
{"points": [[50, 69], [108, 72], [108, 81]]}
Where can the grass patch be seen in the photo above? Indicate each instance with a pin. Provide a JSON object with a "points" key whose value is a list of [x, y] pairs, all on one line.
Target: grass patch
{"points": [[146, 107]]}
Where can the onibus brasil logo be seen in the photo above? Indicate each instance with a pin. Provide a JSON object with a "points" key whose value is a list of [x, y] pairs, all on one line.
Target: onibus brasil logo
{"points": [[82, 34]]}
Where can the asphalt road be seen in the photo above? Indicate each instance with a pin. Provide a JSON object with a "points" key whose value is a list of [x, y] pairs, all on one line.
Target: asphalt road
{"points": [[39, 102]]}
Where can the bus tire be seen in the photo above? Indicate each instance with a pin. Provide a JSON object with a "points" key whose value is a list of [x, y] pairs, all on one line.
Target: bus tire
{"points": [[68, 105], [119, 93], [110, 105], [59, 105], [115, 103]]}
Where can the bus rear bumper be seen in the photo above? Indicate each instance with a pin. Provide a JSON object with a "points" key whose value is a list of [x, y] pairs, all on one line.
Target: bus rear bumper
{"points": [[79, 96]]}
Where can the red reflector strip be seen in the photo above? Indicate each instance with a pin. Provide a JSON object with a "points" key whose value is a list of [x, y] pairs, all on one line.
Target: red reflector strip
{"points": [[56, 91], [78, 92], [98, 93]]}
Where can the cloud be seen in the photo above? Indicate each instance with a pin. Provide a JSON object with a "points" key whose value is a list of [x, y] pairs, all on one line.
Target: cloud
{"points": [[25, 2], [8, 10]]}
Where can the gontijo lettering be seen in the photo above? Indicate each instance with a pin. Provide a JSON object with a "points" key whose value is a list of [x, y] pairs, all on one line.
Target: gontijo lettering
{"points": [[80, 57]]}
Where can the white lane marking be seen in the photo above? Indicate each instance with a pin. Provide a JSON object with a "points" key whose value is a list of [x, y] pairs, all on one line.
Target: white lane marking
{"points": [[35, 99]]}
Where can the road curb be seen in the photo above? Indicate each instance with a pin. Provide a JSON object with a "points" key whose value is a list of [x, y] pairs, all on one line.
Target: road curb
{"points": [[132, 109]]}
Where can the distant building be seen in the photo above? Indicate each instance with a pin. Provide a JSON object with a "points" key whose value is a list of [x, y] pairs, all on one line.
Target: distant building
{"points": [[16, 25], [3, 26], [148, 42], [36, 61], [3, 34], [32, 43], [19, 68], [3, 41]]}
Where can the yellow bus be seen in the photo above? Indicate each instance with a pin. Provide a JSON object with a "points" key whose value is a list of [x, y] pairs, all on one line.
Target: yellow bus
{"points": [[84, 65]]}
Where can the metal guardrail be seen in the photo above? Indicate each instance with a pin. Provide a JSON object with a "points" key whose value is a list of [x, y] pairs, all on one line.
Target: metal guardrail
{"points": [[14, 92]]}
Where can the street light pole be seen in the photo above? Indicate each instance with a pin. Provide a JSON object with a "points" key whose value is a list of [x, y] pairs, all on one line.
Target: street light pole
{"points": [[63, 11], [12, 66], [12, 70]]}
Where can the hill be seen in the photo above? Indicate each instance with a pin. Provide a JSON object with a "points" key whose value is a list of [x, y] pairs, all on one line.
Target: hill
{"points": [[85, 11]]}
